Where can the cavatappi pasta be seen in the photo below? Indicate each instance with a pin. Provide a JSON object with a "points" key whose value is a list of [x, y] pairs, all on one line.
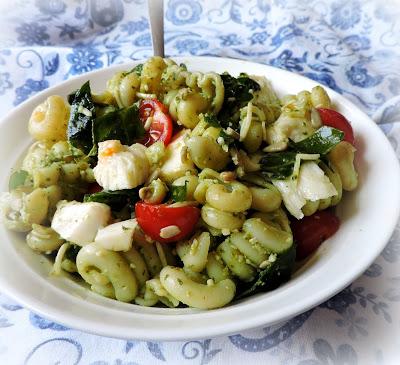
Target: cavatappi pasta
{"points": [[174, 187]]}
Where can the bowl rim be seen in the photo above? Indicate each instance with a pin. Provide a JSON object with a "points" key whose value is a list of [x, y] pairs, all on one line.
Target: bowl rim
{"points": [[210, 329]]}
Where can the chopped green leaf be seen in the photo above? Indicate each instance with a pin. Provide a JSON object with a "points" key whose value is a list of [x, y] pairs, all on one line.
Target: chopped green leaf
{"points": [[179, 192], [121, 124], [17, 178], [228, 139], [322, 141], [238, 92], [81, 119], [212, 120], [138, 69], [86, 128], [116, 200], [278, 165], [272, 276]]}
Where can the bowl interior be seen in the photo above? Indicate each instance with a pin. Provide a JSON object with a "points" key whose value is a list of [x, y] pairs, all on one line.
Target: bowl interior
{"points": [[368, 217]]}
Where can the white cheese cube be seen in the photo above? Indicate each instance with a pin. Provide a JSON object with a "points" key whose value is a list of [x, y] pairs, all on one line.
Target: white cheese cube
{"points": [[292, 198], [313, 184], [79, 222], [121, 167], [176, 161], [117, 236]]}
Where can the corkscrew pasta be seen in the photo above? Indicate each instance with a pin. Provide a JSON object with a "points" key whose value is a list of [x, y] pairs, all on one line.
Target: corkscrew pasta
{"points": [[174, 187]]}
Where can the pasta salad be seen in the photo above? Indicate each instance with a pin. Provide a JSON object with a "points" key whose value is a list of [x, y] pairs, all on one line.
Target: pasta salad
{"points": [[180, 188]]}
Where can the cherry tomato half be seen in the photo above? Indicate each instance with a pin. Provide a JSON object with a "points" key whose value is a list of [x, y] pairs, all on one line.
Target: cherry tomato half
{"points": [[334, 119], [311, 231], [161, 126], [153, 218]]}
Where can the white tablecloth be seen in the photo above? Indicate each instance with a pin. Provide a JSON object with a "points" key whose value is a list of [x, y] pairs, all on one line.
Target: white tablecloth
{"points": [[352, 46]]}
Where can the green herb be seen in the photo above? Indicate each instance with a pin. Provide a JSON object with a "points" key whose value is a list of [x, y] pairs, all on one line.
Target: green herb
{"points": [[212, 120], [116, 200], [81, 119], [179, 192], [18, 178], [278, 165], [228, 139], [322, 141], [238, 92], [272, 276], [138, 69], [180, 282]]}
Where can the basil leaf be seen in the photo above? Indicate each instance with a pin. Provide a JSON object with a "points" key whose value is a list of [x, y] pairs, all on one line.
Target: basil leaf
{"points": [[238, 92], [122, 124], [179, 192], [17, 178], [272, 276], [278, 165], [322, 141], [81, 119], [116, 199]]}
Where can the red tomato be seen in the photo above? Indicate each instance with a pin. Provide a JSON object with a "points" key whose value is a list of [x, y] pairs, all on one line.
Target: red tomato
{"points": [[152, 218], [161, 126], [311, 231], [334, 119], [94, 188]]}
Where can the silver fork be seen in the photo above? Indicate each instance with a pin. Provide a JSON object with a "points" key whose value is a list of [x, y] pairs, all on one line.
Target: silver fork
{"points": [[156, 15]]}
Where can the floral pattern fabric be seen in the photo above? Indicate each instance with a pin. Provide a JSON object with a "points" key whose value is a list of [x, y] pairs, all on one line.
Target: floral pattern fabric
{"points": [[352, 46]]}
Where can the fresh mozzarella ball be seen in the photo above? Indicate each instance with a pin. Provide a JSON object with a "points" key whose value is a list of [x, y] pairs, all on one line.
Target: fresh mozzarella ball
{"points": [[177, 161], [79, 222], [121, 167], [117, 236]]}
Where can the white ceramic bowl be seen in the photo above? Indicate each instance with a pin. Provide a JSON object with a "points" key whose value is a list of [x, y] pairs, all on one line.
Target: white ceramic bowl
{"points": [[368, 218]]}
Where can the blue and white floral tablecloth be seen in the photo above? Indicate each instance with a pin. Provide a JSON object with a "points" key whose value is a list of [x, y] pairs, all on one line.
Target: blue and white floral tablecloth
{"points": [[352, 46]]}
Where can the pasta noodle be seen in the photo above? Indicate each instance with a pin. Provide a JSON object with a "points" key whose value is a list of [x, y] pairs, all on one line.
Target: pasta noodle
{"points": [[48, 121], [107, 272], [43, 239], [187, 291]]}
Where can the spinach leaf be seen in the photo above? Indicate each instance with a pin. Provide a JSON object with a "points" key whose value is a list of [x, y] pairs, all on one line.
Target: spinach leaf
{"points": [[116, 200], [238, 92], [81, 119], [179, 193], [122, 124], [213, 121], [86, 128], [322, 141], [278, 165], [17, 178], [272, 276]]}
